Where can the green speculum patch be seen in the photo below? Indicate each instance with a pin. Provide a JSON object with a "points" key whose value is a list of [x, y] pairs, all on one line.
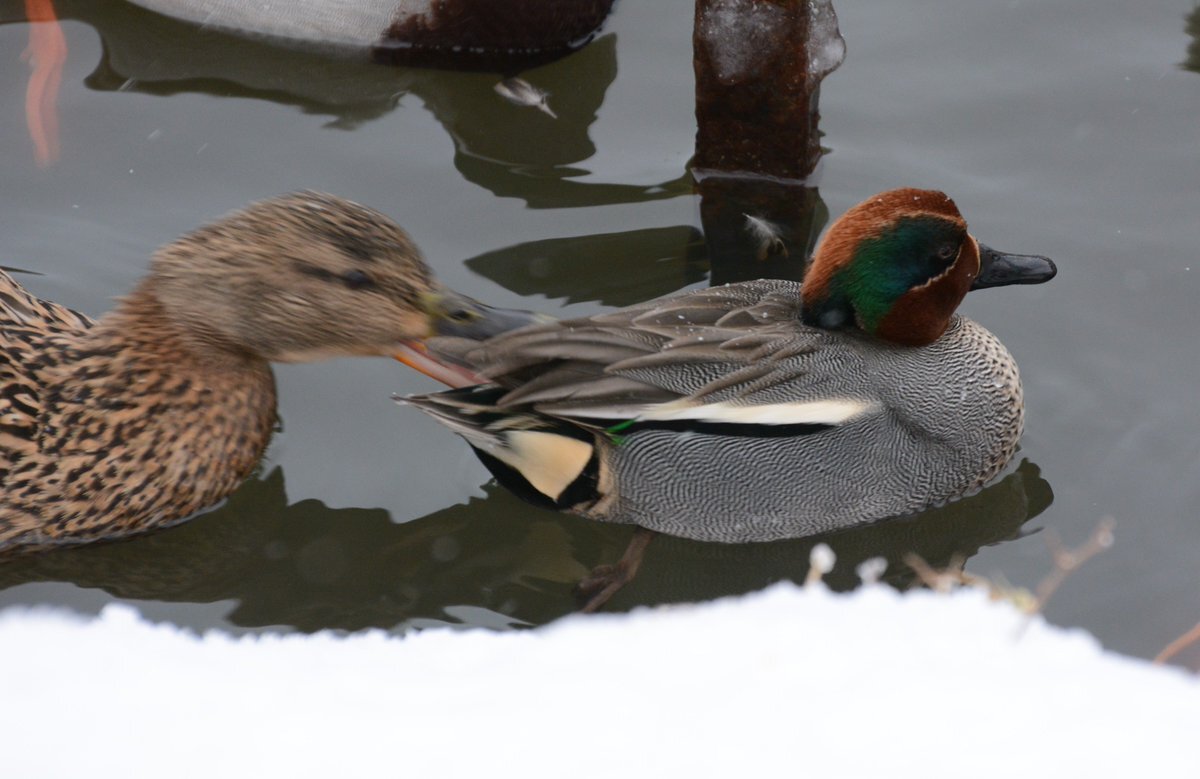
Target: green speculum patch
{"points": [[884, 268]]}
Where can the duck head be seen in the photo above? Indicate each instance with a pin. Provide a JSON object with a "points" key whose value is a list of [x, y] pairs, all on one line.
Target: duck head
{"points": [[302, 277], [898, 264]]}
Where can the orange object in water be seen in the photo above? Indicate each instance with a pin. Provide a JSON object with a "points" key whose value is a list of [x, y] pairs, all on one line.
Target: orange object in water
{"points": [[47, 51]]}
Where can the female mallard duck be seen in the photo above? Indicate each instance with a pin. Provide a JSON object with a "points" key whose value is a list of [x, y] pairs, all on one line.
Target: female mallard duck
{"points": [[163, 406], [763, 410]]}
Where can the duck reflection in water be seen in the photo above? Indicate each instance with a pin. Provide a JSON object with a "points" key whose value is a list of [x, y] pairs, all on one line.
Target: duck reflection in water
{"points": [[493, 561], [509, 150]]}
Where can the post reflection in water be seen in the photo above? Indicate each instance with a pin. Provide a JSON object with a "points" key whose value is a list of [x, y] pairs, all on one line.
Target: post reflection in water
{"points": [[616, 269], [311, 567]]}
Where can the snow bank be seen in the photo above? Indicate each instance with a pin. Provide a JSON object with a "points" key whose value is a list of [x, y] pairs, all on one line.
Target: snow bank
{"points": [[786, 682]]}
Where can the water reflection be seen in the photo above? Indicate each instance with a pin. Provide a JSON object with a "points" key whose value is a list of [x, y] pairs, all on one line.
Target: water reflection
{"points": [[616, 269], [622, 269], [519, 152], [732, 209], [1192, 27], [681, 570], [310, 567], [512, 151]]}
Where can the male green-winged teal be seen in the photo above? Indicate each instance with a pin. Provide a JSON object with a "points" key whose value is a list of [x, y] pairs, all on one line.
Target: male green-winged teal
{"points": [[763, 410], [163, 406]]}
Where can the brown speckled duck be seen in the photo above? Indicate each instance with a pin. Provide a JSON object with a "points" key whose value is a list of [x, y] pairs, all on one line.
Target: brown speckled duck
{"points": [[163, 406]]}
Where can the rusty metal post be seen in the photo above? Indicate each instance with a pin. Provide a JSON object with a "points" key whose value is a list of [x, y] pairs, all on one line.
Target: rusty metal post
{"points": [[759, 64]]}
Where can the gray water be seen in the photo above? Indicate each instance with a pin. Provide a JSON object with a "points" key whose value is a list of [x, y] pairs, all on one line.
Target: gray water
{"points": [[1070, 129]]}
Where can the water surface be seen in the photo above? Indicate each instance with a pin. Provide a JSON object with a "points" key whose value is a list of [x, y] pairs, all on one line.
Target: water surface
{"points": [[1065, 129]]}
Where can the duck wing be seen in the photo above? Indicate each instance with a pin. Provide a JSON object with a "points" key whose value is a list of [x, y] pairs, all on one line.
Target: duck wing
{"points": [[736, 354], [29, 331]]}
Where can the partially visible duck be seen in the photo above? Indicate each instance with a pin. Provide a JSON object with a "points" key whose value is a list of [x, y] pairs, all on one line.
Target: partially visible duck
{"points": [[446, 33], [761, 410], [163, 406], [505, 36]]}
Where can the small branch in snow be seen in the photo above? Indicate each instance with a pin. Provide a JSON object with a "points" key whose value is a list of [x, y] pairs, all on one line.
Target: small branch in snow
{"points": [[1067, 561], [1178, 645], [944, 580]]}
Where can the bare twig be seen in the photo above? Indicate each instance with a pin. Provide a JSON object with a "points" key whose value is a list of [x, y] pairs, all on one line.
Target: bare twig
{"points": [[1067, 561], [939, 581], [1178, 645]]}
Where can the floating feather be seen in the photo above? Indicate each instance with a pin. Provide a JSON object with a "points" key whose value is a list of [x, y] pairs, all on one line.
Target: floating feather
{"points": [[767, 235], [518, 91]]}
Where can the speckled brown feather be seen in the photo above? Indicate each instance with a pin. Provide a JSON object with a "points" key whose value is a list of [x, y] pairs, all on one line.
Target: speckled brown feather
{"points": [[27, 327], [120, 444], [162, 407]]}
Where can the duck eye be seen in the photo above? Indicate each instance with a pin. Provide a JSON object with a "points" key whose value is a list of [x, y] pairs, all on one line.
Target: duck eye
{"points": [[462, 315], [356, 279], [946, 251]]}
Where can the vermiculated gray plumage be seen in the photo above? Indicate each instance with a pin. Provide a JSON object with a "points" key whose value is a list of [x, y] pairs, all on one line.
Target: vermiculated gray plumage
{"points": [[910, 427]]}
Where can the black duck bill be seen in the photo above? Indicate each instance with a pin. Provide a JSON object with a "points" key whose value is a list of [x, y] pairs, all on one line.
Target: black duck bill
{"points": [[997, 269]]}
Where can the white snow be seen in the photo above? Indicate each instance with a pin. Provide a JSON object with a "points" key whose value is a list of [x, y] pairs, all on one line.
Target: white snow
{"points": [[787, 682]]}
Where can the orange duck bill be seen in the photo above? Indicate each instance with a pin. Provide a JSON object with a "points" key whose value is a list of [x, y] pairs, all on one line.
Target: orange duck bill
{"points": [[417, 356], [457, 316]]}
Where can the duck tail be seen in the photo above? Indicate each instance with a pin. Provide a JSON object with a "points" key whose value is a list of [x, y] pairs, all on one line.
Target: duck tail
{"points": [[546, 461]]}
